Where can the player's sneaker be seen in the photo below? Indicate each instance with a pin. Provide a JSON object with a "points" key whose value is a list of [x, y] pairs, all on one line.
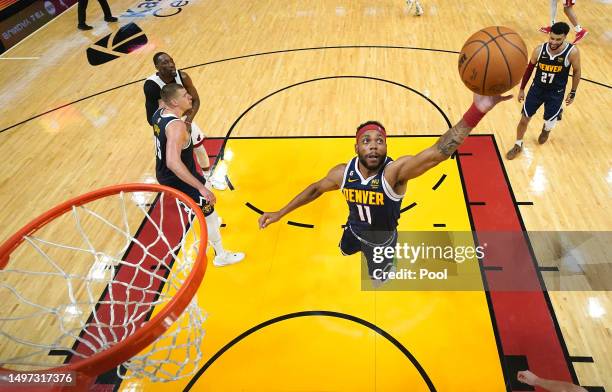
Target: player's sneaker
{"points": [[543, 136], [514, 152], [419, 10], [228, 258], [580, 35], [544, 29], [218, 184], [214, 182]]}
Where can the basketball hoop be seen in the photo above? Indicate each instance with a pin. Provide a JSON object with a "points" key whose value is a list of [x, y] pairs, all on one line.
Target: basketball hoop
{"points": [[104, 279]]}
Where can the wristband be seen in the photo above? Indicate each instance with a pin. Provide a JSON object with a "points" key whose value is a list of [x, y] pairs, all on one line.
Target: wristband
{"points": [[473, 116], [572, 93], [527, 75]]}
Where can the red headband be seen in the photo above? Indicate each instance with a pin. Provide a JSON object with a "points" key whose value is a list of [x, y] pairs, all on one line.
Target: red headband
{"points": [[370, 127]]}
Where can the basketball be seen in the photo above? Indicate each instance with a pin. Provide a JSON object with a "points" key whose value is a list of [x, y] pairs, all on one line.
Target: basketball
{"points": [[493, 60]]}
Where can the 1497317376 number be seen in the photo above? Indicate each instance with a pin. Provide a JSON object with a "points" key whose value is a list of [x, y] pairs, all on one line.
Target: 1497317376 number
{"points": [[65, 378]]}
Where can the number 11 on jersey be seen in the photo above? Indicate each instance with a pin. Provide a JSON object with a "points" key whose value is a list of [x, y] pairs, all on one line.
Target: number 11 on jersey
{"points": [[367, 215]]}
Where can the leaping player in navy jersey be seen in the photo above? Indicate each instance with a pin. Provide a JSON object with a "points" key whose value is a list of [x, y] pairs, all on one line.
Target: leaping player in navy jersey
{"points": [[374, 184]]}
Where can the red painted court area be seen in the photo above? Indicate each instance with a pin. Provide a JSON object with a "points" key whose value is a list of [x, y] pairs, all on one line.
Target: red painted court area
{"points": [[526, 326]]}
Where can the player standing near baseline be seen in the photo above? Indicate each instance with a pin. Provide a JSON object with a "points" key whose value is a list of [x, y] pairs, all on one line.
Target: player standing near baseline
{"points": [[553, 60]]}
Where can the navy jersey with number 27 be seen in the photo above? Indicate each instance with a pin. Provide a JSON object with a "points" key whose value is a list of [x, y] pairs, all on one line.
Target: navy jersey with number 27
{"points": [[552, 70]]}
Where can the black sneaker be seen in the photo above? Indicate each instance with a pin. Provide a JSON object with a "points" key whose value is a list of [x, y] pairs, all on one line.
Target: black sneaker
{"points": [[111, 19], [84, 26]]}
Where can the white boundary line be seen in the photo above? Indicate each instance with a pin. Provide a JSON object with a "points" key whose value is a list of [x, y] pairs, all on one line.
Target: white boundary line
{"points": [[19, 58]]}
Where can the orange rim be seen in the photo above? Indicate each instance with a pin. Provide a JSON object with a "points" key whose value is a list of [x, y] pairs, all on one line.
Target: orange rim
{"points": [[122, 351]]}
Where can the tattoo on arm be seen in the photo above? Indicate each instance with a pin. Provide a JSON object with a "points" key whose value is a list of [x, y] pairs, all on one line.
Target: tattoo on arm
{"points": [[447, 145], [450, 141]]}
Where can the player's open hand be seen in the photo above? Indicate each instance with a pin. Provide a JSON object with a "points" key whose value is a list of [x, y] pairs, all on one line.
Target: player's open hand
{"points": [[208, 195], [521, 96], [268, 218], [485, 103], [526, 377], [570, 98]]}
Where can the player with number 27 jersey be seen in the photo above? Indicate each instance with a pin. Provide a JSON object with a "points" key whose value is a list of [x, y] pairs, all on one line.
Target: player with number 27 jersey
{"points": [[552, 70], [552, 61]]}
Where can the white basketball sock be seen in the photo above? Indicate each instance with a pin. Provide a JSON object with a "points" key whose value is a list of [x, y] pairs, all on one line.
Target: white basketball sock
{"points": [[214, 235], [519, 143]]}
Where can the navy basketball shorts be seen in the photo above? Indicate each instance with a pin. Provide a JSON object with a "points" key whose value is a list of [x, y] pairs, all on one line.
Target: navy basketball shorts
{"points": [[375, 257], [551, 98], [193, 193]]}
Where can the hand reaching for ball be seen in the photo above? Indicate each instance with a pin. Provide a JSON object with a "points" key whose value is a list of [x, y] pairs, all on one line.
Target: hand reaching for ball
{"points": [[484, 103]]}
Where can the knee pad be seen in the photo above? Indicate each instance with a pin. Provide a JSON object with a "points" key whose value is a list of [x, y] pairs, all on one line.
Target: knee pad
{"points": [[550, 124]]}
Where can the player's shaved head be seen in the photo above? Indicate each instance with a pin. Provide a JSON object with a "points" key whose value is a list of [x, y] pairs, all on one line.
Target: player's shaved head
{"points": [[157, 56], [171, 91]]}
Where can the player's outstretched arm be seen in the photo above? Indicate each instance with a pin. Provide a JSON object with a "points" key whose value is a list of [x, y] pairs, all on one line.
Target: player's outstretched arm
{"points": [[176, 135], [332, 181], [529, 378], [411, 166]]}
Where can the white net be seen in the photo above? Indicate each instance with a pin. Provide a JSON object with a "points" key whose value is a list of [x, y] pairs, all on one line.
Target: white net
{"points": [[96, 275]]}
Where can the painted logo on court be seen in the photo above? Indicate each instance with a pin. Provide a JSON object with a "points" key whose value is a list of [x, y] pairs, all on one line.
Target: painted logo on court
{"points": [[123, 41], [157, 8]]}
